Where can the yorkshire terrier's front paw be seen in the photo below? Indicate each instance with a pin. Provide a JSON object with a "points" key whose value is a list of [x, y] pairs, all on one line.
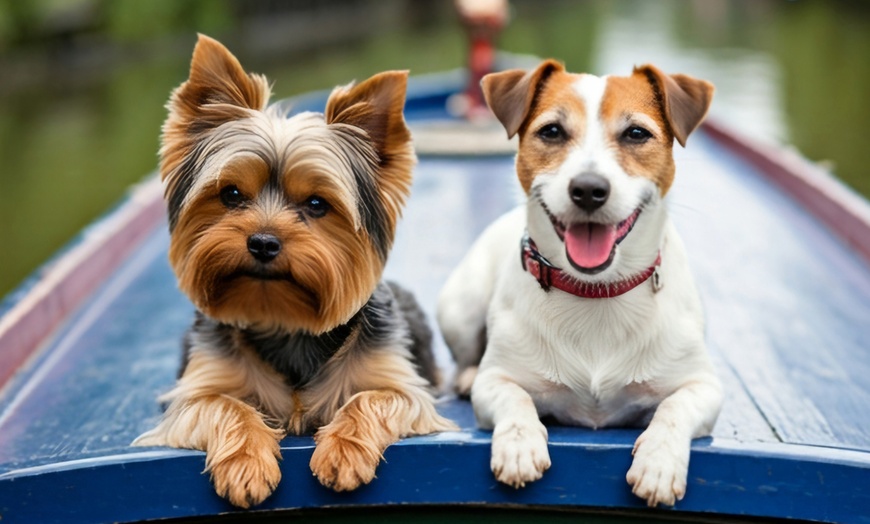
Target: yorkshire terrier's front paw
{"points": [[343, 464], [659, 469], [246, 479], [519, 453]]}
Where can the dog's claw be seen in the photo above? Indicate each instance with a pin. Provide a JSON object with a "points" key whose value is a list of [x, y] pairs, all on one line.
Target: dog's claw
{"points": [[659, 469], [246, 480], [519, 453], [343, 464]]}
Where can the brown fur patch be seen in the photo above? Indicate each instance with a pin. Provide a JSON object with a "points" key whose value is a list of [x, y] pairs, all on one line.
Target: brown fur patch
{"points": [[322, 276], [350, 447], [206, 413], [376, 106], [368, 399], [218, 90], [623, 98], [685, 100], [557, 102], [355, 370], [512, 94]]}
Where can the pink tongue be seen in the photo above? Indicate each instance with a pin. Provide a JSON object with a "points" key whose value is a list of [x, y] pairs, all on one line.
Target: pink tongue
{"points": [[589, 245]]}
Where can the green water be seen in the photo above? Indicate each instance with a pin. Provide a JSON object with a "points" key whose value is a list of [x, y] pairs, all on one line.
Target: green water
{"points": [[75, 138]]}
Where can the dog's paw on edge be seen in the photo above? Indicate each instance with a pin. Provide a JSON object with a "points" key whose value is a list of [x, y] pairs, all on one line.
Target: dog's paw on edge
{"points": [[246, 480], [343, 464], [519, 453], [658, 471]]}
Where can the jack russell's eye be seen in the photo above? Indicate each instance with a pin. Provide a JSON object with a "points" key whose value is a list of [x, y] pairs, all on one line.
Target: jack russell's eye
{"points": [[315, 206], [636, 134], [231, 197], [552, 133]]}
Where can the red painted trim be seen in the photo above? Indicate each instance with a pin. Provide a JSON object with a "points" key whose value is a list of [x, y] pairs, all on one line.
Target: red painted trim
{"points": [[72, 278], [837, 206]]}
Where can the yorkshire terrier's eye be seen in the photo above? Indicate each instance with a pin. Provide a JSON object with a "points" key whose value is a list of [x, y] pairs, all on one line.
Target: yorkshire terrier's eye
{"points": [[315, 206], [231, 197]]}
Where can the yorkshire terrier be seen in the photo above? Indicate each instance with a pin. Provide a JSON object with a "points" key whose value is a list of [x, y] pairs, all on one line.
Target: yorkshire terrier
{"points": [[280, 228]]}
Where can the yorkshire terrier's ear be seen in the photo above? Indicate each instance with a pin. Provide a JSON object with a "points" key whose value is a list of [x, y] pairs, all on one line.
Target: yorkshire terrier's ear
{"points": [[218, 87], [217, 91], [375, 106]]}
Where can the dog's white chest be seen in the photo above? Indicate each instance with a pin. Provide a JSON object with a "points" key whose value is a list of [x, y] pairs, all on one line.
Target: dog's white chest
{"points": [[632, 404], [596, 380], [584, 362]]}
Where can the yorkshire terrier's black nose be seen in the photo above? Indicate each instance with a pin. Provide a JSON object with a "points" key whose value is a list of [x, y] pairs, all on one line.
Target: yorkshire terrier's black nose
{"points": [[589, 191], [264, 247]]}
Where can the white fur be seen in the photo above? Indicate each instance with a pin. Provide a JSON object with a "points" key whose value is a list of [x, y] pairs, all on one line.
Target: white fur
{"points": [[637, 359]]}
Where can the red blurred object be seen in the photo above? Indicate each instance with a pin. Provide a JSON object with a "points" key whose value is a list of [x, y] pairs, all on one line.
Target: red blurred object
{"points": [[483, 21]]}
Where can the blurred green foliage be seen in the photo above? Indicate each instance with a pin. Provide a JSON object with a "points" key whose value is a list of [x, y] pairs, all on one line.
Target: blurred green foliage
{"points": [[83, 82], [825, 53], [136, 19], [27, 22]]}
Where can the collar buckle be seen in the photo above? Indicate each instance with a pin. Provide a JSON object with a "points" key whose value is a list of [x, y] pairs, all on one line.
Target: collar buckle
{"points": [[656, 280], [545, 269]]}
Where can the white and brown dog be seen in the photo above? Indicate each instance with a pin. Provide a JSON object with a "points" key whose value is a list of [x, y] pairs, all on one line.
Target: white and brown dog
{"points": [[601, 324]]}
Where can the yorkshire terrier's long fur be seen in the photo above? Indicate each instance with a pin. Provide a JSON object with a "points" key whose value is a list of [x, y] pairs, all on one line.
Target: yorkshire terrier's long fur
{"points": [[280, 229]]}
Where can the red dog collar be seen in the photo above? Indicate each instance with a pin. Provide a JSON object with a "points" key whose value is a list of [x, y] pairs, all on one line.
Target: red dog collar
{"points": [[550, 276]]}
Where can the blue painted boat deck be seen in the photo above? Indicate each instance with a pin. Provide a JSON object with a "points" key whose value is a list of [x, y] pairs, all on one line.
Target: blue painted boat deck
{"points": [[788, 310]]}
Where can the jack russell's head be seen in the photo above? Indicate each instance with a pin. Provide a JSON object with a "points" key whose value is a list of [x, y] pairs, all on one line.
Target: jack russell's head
{"points": [[595, 159]]}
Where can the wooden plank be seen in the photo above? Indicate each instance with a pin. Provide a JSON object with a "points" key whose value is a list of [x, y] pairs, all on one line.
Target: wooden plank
{"points": [[787, 301], [831, 201]]}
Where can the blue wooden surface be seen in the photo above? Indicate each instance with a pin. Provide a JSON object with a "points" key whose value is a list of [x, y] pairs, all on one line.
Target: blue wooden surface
{"points": [[788, 309]]}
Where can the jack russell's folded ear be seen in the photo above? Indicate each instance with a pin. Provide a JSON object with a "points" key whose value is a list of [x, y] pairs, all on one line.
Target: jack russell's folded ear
{"points": [[685, 99], [511, 94]]}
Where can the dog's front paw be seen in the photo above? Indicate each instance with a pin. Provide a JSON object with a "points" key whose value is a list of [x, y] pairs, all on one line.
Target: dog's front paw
{"points": [[519, 452], [246, 478], [659, 469], [343, 464]]}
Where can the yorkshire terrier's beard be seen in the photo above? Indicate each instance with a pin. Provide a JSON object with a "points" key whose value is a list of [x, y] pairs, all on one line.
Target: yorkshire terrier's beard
{"points": [[281, 225], [280, 229]]}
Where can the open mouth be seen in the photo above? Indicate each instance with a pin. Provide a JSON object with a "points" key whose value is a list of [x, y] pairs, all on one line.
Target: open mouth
{"points": [[590, 246]]}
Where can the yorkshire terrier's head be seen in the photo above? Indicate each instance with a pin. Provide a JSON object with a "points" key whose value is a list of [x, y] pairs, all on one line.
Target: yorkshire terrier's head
{"points": [[276, 222]]}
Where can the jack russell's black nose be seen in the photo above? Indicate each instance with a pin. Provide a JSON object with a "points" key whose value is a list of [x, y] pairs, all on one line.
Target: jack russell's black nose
{"points": [[589, 191], [264, 247]]}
